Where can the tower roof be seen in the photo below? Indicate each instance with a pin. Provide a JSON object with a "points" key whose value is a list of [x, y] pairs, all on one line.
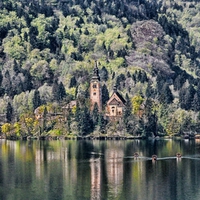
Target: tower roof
{"points": [[95, 75]]}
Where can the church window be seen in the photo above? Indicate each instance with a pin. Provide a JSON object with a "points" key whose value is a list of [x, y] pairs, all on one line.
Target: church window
{"points": [[94, 93], [94, 86], [113, 109]]}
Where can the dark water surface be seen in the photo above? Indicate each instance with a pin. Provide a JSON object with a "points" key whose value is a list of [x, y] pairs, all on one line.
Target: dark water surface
{"points": [[80, 170]]}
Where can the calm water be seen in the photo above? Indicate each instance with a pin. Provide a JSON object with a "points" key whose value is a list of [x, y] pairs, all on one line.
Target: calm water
{"points": [[80, 170]]}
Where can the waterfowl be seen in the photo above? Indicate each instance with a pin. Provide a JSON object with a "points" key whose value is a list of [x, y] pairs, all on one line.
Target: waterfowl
{"points": [[136, 154], [178, 155], [154, 157]]}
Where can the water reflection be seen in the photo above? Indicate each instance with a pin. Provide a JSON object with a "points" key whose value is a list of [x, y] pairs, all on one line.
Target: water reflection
{"points": [[114, 169], [99, 170], [96, 179]]}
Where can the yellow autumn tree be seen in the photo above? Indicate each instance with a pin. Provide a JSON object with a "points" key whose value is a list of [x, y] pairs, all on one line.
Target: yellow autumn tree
{"points": [[137, 104], [17, 127], [6, 128]]}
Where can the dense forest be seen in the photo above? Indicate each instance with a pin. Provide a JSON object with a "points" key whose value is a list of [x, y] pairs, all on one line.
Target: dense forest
{"points": [[149, 49]]}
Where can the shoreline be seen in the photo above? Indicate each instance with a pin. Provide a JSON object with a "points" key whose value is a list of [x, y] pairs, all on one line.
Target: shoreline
{"points": [[117, 137]]}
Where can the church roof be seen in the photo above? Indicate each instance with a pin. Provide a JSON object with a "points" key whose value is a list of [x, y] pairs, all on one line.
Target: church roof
{"points": [[121, 98], [116, 99], [114, 102], [95, 75]]}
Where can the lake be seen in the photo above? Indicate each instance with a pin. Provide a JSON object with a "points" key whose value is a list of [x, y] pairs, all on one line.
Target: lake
{"points": [[97, 170]]}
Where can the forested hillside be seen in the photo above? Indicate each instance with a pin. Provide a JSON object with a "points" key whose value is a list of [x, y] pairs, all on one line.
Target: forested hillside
{"points": [[149, 49]]}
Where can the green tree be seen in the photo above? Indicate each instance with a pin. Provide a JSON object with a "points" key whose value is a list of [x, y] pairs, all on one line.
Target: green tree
{"points": [[61, 92], [84, 122], [105, 95], [127, 114], [9, 112], [186, 97], [166, 96], [36, 99], [104, 74], [73, 82], [102, 122], [95, 115], [136, 104], [7, 84], [55, 90], [196, 103]]}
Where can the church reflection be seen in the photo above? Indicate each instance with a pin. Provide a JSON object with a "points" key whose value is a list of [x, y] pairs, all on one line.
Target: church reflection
{"points": [[96, 178], [114, 168], [108, 167]]}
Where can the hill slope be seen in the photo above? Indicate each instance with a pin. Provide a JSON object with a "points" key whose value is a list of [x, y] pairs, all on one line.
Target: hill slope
{"points": [[48, 49]]}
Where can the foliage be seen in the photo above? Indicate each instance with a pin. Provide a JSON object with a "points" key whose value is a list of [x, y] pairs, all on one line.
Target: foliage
{"points": [[6, 128], [149, 49], [136, 104]]}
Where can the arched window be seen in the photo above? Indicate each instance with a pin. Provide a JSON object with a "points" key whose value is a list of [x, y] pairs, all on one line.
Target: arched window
{"points": [[113, 109], [94, 86]]}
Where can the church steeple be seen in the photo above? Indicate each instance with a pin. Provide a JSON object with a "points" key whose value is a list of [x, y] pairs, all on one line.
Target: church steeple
{"points": [[95, 89], [96, 72]]}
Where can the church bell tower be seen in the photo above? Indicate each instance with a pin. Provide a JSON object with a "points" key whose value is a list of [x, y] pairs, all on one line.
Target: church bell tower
{"points": [[95, 89]]}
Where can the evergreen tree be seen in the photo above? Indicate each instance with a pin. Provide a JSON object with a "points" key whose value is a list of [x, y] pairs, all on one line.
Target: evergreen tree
{"points": [[61, 92], [73, 82], [186, 96], [104, 74], [95, 115], [182, 93], [127, 114], [196, 103], [27, 84], [134, 78], [198, 89], [144, 77], [128, 74], [113, 75], [148, 107], [105, 94], [102, 123], [1, 77], [160, 83], [68, 117], [84, 122], [78, 112], [179, 81], [15, 67], [36, 99], [150, 92], [86, 32], [120, 81], [17, 85], [9, 112], [7, 84], [151, 125], [166, 96], [55, 91]]}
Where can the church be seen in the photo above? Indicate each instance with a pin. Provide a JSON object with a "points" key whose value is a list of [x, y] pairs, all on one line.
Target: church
{"points": [[115, 105]]}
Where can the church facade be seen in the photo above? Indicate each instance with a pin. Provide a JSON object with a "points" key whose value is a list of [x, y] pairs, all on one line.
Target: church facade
{"points": [[115, 105]]}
